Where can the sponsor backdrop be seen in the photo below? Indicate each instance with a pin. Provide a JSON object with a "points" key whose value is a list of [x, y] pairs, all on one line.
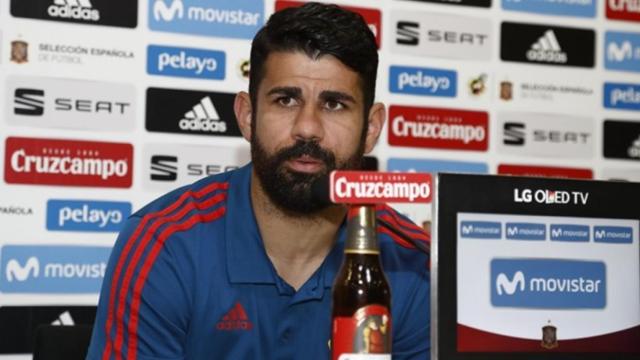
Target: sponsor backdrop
{"points": [[106, 105]]}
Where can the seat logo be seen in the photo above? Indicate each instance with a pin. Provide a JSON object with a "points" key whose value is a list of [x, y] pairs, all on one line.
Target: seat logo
{"points": [[29, 102]]}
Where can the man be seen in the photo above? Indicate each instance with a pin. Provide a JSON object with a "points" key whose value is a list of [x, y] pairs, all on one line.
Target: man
{"points": [[240, 265]]}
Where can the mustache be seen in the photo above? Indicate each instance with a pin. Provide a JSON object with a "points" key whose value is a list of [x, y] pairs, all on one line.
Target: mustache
{"points": [[309, 148]]}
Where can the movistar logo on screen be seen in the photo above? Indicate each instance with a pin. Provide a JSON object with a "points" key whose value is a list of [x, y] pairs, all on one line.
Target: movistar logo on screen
{"points": [[481, 230], [548, 284]]}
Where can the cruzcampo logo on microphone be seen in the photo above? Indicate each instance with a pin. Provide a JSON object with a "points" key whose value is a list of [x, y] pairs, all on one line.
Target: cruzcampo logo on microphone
{"points": [[371, 187]]}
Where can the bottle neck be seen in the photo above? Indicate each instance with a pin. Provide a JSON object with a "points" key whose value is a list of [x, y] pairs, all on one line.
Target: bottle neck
{"points": [[362, 237]]}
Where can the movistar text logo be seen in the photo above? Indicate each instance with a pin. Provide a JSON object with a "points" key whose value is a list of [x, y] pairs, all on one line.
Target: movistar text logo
{"points": [[548, 283]]}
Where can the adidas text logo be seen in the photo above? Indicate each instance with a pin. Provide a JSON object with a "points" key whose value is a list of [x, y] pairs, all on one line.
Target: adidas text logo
{"points": [[634, 150], [64, 319], [203, 117], [73, 9], [547, 49], [235, 319]]}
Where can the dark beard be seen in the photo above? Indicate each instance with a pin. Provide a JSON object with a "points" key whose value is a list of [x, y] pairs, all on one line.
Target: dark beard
{"points": [[291, 190]]}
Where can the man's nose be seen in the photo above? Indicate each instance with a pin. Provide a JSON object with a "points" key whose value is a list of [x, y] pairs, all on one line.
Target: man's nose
{"points": [[308, 124]]}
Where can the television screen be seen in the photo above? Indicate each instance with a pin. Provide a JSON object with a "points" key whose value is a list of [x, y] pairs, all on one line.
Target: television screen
{"points": [[532, 268]]}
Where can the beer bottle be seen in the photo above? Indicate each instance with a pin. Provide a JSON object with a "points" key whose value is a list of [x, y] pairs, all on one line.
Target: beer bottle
{"points": [[361, 312]]}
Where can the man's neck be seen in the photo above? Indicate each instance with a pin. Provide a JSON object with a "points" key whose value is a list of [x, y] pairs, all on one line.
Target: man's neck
{"points": [[296, 245]]}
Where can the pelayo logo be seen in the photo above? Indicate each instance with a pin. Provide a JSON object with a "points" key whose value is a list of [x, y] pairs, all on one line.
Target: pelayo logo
{"points": [[438, 128], [622, 51], [52, 269], [548, 284], [622, 96], [121, 13], [422, 81], [86, 215], [185, 62], [582, 8], [223, 18], [67, 162]]}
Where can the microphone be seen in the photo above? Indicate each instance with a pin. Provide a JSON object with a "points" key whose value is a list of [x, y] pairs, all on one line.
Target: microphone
{"points": [[320, 192]]}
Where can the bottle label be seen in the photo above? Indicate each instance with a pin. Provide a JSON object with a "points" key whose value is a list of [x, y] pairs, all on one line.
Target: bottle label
{"points": [[364, 336]]}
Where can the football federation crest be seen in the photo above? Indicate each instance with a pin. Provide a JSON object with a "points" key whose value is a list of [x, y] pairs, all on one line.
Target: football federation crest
{"points": [[506, 90], [19, 51], [243, 69], [549, 339], [477, 85]]}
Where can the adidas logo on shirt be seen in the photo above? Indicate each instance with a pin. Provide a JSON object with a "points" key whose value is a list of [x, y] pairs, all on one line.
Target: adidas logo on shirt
{"points": [[203, 117], [547, 49], [235, 319], [64, 319], [73, 9]]}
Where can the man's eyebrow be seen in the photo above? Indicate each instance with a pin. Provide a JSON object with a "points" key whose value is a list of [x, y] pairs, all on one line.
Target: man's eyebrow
{"points": [[336, 96], [290, 91]]}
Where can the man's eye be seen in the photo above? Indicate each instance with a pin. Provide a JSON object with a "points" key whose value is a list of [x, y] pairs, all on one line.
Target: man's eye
{"points": [[286, 101], [334, 105]]}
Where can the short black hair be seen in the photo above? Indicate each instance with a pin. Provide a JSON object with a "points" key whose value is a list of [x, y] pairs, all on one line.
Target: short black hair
{"points": [[318, 29]]}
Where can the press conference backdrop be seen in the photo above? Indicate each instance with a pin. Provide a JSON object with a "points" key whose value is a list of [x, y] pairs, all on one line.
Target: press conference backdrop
{"points": [[106, 104]]}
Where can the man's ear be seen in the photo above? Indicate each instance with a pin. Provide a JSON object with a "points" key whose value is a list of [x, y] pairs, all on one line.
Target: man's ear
{"points": [[377, 115], [242, 109]]}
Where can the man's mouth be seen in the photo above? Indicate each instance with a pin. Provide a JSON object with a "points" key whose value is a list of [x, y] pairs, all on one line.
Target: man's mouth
{"points": [[305, 164]]}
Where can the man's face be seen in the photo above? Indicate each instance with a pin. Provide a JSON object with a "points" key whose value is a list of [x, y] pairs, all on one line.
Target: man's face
{"points": [[309, 121]]}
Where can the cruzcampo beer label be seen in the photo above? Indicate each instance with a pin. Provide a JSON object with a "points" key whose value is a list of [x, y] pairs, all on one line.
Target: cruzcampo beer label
{"points": [[364, 336]]}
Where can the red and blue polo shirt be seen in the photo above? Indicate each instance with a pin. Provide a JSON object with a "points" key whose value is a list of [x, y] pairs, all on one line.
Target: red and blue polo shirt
{"points": [[189, 278]]}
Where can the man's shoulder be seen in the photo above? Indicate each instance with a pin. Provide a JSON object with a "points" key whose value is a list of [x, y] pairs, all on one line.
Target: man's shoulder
{"points": [[206, 191], [400, 238]]}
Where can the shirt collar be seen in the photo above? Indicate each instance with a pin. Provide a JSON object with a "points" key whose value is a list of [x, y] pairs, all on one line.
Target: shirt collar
{"points": [[247, 260]]}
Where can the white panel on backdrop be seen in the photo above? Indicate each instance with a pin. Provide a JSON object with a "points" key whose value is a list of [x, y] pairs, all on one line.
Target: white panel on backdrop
{"points": [[70, 104], [170, 166]]}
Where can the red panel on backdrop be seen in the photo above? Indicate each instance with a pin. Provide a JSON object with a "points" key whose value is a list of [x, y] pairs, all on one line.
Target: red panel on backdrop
{"points": [[623, 10], [545, 171], [68, 162], [474, 340], [438, 128], [371, 16]]}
